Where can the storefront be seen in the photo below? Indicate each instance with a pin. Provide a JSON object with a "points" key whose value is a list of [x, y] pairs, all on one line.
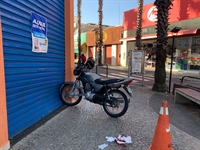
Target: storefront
{"points": [[195, 53], [186, 52], [111, 45], [186, 49], [36, 58], [91, 44]]}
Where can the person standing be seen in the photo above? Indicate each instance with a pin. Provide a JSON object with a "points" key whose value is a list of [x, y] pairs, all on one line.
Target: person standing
{"points": [[83, 59]]}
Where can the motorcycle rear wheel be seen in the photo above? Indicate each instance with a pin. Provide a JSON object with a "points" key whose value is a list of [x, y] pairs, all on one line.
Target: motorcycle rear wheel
{"points": [[118, 105], [70, 100]]}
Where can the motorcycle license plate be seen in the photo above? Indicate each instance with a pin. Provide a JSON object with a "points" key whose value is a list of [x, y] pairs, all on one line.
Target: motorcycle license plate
{"points": [[129, 89]]}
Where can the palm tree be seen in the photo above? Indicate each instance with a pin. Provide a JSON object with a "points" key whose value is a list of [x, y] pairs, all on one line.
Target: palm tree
{"points": [[100, 32], [139, 32], [139, 25], [79, 26], [163, 7]]}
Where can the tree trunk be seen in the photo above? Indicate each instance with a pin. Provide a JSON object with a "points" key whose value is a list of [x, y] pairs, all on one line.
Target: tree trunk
{"points": [[163, 7], [139, 25], [160, 72], [100, 32], [79, 26]]}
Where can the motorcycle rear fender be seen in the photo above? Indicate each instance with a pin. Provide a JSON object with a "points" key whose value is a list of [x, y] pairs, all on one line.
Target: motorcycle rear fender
{"points": [[125, 88], [118, 84]]}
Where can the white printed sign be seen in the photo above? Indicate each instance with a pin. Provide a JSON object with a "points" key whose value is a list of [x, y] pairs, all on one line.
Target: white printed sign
{"points": [[136, 61]]}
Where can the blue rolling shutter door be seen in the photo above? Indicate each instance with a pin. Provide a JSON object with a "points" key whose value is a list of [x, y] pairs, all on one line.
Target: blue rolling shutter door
{"points": [[32, 79]]}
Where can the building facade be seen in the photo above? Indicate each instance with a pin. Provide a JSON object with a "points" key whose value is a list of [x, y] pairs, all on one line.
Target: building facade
{"points": [[89, 27], [111, 45], [184, 14]]}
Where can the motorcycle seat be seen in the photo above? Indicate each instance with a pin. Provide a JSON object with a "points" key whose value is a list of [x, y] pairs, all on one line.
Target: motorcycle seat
{"points": [[108, 81]]}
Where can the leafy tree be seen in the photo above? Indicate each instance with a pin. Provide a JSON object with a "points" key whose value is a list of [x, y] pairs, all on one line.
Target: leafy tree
{"points": [[163, 7], [139, 29]]}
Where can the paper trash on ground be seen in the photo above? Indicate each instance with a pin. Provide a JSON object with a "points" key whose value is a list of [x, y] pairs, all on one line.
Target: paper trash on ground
{"points": [[110, 139], [120, 140], [123, 139], [102, 146]]}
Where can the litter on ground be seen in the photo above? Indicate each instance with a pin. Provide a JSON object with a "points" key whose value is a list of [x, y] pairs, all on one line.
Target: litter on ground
{"points": [[102, 146], [123, 139], [110, 139], [119, 140]]}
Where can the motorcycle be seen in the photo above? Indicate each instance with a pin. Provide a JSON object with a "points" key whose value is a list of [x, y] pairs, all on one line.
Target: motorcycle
{"points": [[105, 92]]}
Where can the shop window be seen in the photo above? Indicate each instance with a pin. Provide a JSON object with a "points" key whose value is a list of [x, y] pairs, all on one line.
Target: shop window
{"points": [[195, 53]]}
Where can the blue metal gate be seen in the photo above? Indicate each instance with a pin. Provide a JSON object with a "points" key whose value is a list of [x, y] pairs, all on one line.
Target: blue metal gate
{"points": [[32, 79]]}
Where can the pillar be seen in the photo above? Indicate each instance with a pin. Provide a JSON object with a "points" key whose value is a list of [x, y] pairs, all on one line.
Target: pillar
{"points": [[69, 40], [4, 142]]}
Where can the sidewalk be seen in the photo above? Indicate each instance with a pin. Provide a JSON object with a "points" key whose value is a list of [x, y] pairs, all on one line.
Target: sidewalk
{"points": [[85, 126]]}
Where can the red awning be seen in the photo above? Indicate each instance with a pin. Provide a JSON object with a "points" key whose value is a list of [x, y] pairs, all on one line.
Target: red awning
{"points": [[153, 36]]}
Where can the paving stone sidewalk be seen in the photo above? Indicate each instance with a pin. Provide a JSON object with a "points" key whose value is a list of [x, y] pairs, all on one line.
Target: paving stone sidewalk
{"points": [[85, 126]]}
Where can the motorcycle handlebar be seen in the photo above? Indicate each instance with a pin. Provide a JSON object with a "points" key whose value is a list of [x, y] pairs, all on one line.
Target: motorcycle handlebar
{"points": [[82, 68]]}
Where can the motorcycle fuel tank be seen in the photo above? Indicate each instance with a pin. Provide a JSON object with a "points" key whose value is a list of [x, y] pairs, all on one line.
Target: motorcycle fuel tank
{"points": [[89, 77]]}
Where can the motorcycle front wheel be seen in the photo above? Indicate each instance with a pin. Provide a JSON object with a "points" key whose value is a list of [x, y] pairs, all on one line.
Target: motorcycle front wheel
{"points": [[69, 97], [117, 105]]}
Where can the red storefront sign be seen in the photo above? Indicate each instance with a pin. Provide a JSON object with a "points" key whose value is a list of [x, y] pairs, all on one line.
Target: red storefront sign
{"points": [[169, 34], [181, 10]]}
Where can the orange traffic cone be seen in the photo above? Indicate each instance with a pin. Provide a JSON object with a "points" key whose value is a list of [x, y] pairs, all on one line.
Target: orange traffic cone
{"points": [[162, 137]]}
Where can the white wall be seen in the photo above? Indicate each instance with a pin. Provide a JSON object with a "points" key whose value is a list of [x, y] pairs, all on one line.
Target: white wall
{"points": [[113, 60], [123, 54], [94, 54], [103, 54], [123, 51]]}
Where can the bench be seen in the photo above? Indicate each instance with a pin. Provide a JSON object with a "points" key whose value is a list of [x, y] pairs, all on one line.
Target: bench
{"points": [[177, 85], [186, 95]]}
